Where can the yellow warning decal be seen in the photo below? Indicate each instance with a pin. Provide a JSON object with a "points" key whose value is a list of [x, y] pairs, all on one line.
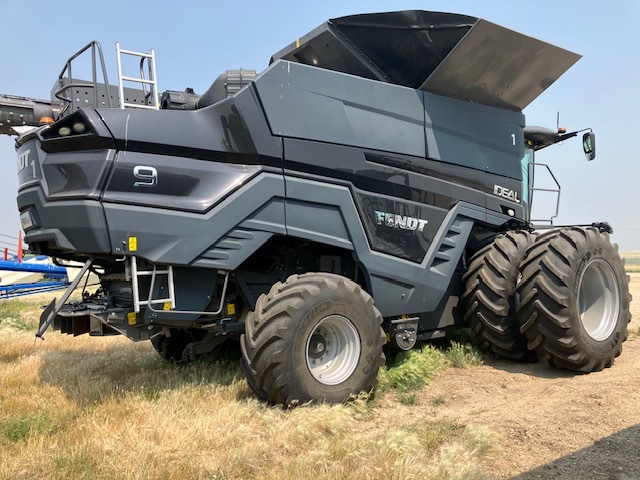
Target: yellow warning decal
{"points": [[131, 318], [166, 306], [133, 244], [231, 309], [297, 43]]}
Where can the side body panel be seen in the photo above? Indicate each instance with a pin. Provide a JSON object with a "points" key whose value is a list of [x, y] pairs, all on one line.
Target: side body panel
{"points": [[201, 188], [473, 135], [394, 175], [408, 174], [398, 286], [325, 106]]}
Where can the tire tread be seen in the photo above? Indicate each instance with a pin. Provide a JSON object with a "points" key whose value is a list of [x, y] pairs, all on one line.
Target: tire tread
{"points": [[490, 283], [546, 309]]}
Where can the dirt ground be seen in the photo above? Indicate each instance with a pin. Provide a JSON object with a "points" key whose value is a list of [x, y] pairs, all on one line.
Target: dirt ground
{"points": [[552, 424]]}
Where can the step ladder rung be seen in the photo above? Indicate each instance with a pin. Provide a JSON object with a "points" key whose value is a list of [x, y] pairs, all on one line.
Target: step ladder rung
{"points": [[139, 80], [155, 300], [136, 54], [150, 272]]}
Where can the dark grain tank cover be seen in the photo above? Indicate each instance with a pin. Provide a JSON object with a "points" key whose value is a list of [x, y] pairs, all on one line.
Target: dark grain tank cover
{"points": [[450, 54]]}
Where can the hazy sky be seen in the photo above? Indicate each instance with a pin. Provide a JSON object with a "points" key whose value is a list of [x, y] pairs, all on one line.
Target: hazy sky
{"points": [[196, 41]]}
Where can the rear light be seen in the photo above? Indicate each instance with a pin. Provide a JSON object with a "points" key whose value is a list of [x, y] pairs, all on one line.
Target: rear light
{"points": [[26, 220], [73, 126], [76, 132]]}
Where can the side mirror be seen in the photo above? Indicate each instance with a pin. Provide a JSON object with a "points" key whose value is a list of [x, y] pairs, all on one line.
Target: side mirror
{"points": [[589, 145]]}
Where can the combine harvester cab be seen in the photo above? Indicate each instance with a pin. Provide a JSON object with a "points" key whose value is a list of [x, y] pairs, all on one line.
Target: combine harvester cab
{"points": [[373, 183]]}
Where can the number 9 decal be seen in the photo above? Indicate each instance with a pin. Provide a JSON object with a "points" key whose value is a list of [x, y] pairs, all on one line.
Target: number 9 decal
{"points": [[148, 176]]}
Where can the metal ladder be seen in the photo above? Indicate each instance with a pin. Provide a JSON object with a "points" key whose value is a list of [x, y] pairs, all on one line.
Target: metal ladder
{"points": [[151, 98], [135, 274]]}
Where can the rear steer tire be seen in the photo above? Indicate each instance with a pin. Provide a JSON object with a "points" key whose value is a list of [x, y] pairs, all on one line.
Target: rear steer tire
{"points": [[574, 299], [317, 337], [171, 347], [489, 297]]}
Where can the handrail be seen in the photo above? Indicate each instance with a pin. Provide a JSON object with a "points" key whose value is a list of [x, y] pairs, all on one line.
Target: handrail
{"points": [[67, 73], [532, 189]]}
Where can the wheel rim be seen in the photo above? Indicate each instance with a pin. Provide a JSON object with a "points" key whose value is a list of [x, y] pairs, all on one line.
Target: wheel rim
{"points": [[598, 299], [333, 350]]}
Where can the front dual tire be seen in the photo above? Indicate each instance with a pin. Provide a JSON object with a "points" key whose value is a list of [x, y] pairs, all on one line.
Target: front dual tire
{"points": [[562, 296], [574, 299]]}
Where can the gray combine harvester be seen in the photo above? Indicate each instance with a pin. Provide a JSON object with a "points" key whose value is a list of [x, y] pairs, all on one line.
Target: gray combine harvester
{"points": [[373, 185]]}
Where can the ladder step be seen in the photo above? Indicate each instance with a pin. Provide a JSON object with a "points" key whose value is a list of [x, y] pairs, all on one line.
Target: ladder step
{"points": [[139, 80], [150, 272], [136, 54], [154, 300]]}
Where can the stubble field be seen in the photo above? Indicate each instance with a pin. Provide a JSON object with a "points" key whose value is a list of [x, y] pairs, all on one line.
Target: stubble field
{"points": [[109, 408]]}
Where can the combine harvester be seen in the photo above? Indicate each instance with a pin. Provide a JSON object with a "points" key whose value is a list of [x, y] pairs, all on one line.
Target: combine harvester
{"points": [[373, 185]]}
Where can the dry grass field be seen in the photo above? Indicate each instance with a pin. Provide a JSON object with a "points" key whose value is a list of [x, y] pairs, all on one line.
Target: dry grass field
{"points": [[109, 408], [632, 262], [106, 408]]}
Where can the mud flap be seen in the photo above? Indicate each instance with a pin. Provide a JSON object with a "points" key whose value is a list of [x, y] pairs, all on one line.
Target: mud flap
{"points": [[44, 317], [53, 308]]}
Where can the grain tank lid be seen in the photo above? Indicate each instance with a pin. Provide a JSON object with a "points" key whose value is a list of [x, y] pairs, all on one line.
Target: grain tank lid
{"points": [[446, 53], [396, 47], [497, 66]]}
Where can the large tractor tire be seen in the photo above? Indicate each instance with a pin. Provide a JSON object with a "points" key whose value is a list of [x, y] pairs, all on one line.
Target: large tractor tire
{"points": [[171, 347], [248, 372], [489, 295], [315, 337], [574, 299]]}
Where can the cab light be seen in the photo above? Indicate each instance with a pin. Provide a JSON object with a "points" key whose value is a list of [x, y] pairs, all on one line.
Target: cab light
{"points": [[79, 127], [64, 131]]}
